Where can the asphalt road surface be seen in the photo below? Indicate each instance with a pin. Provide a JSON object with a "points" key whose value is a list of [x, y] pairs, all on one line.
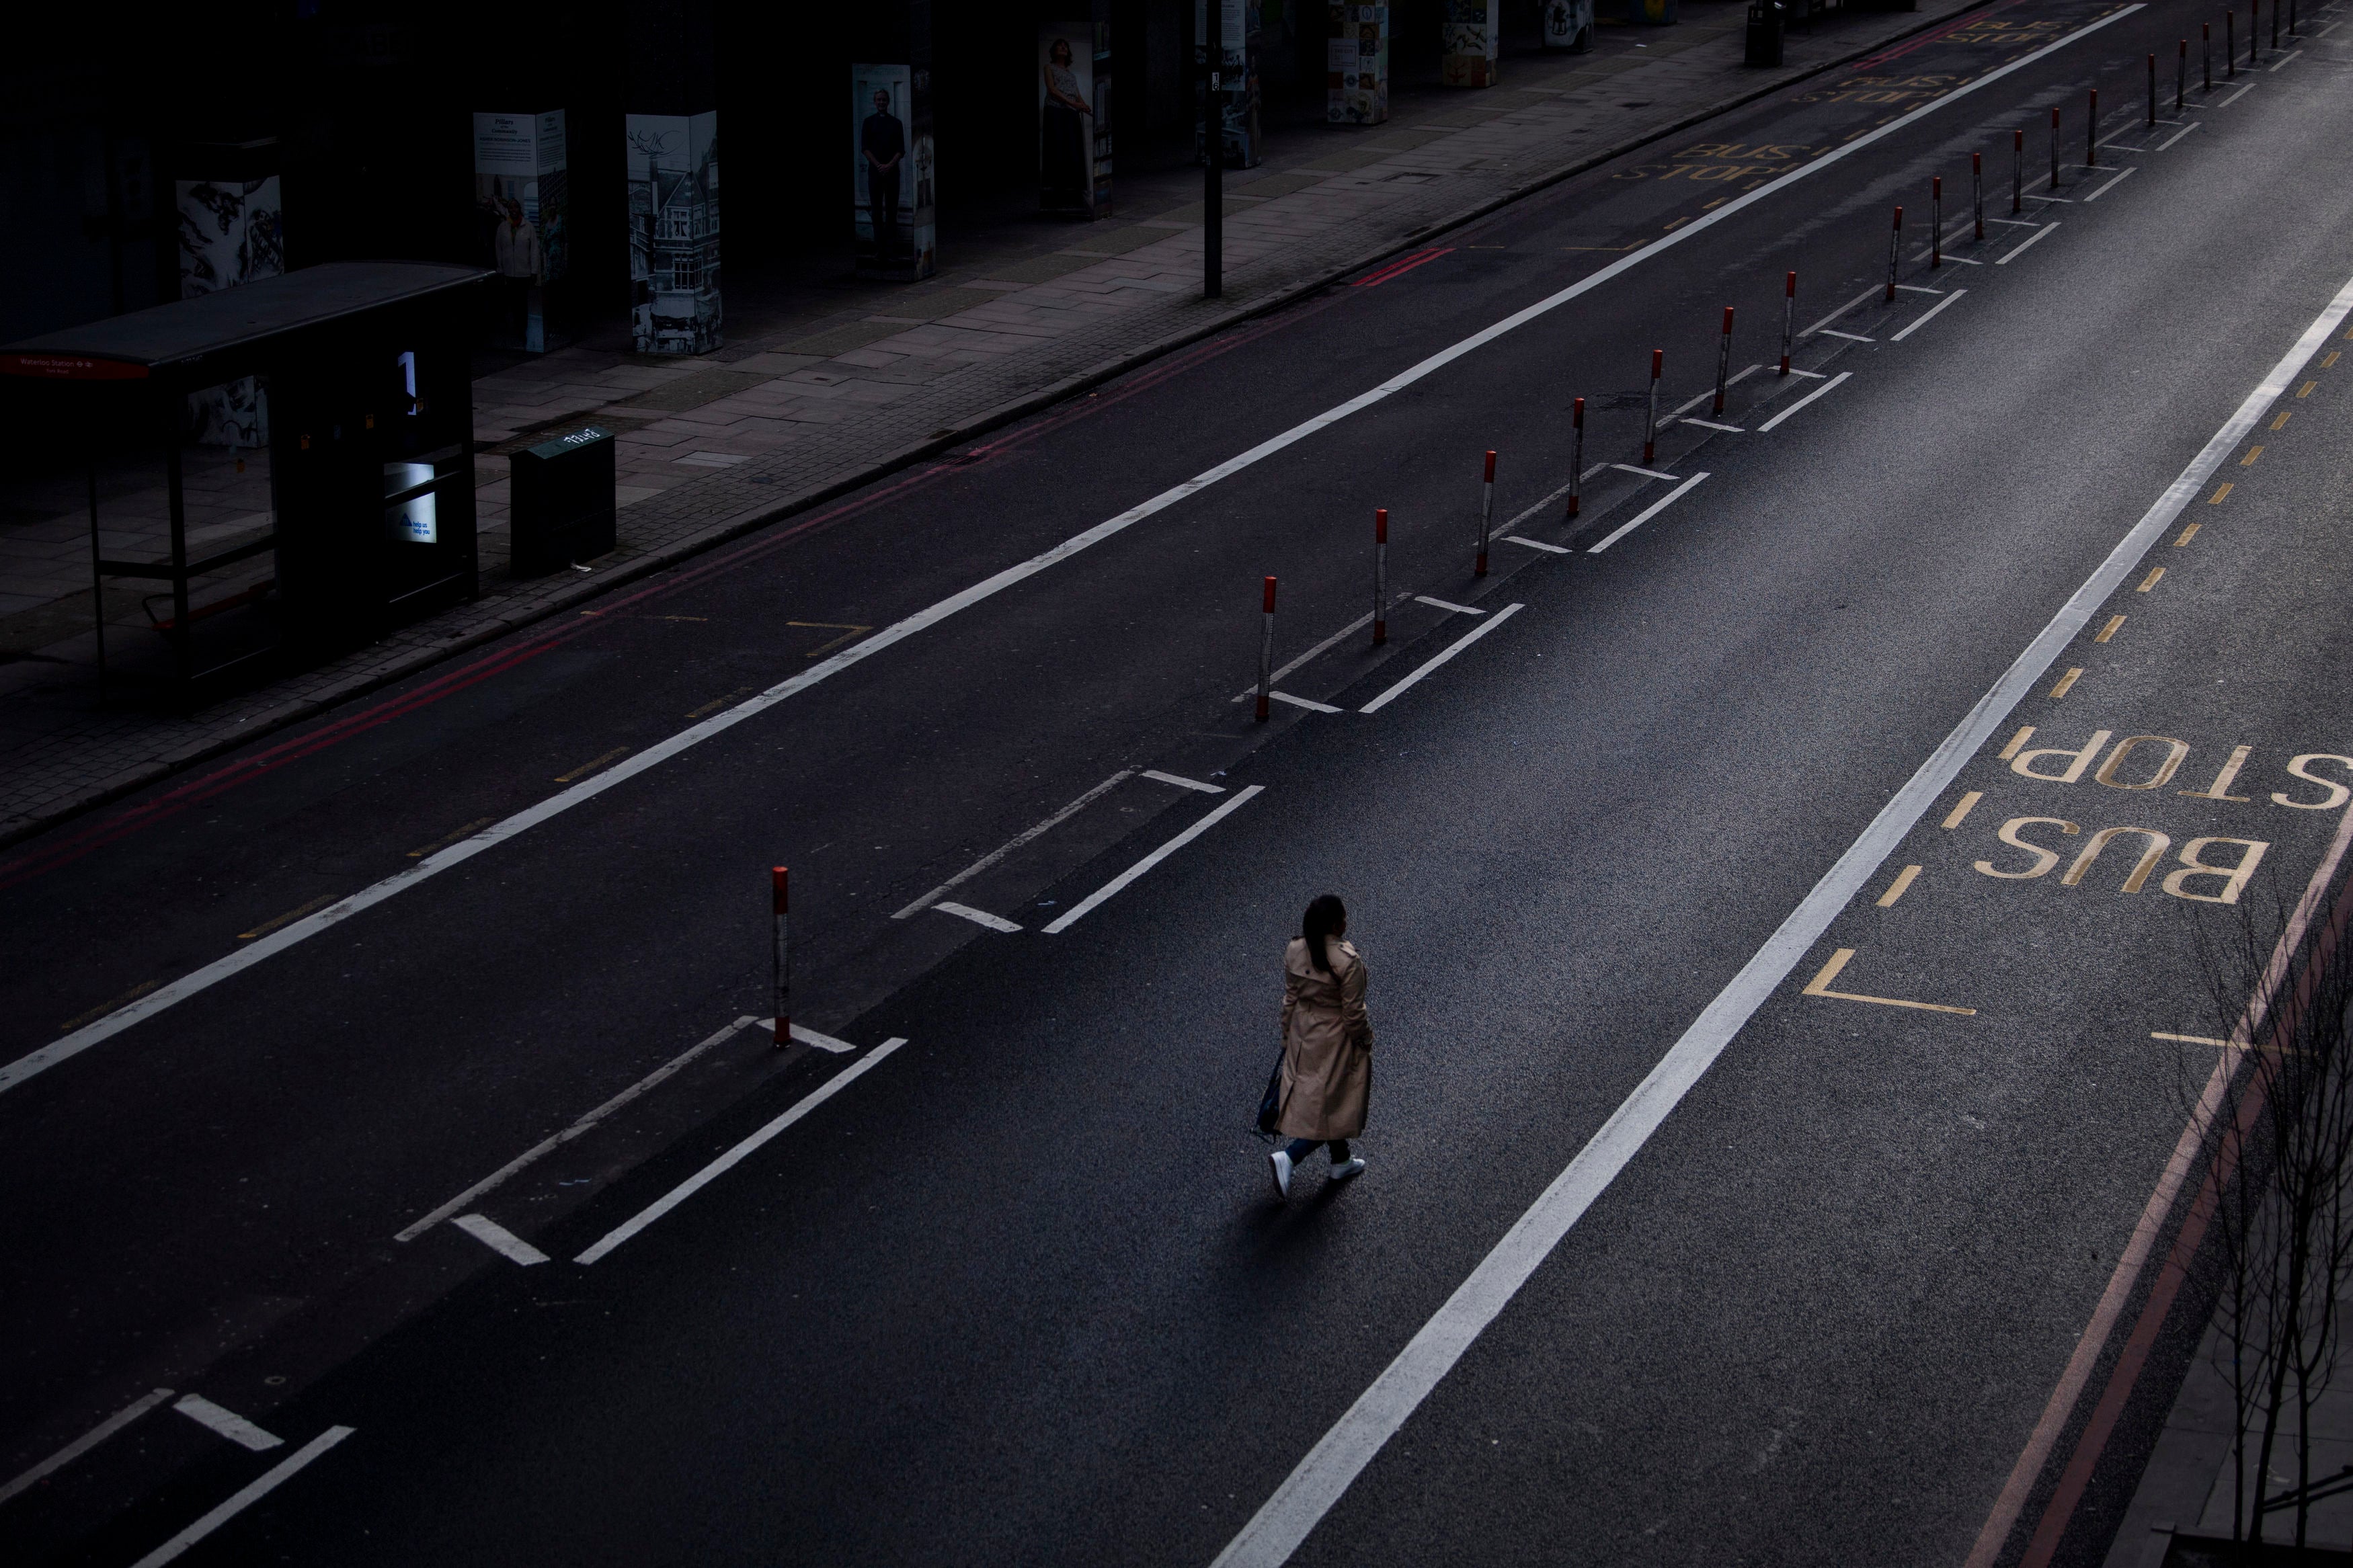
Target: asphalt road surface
{"points": [[1778, 1050]]}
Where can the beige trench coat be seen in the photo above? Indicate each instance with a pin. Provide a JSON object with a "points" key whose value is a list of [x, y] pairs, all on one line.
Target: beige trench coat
{"points": [[1327, 1044]]}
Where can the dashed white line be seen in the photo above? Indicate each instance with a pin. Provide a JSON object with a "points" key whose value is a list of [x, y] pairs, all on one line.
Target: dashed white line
{"points": [[1646, 473], [742, 1152], [500, 1240], [803, 1034], [2029, 239], [227, 1423], [2283, 60], [2111, 185], [1399, 689], [1825, 387], [1712, 424], [1087, 904], [1851, 337], [1917, 289], [86, 1442], [2245, 87], [1538, 544], [993, 855], [246, 1497], [1928, 316], [1181, 782], [978, 917], [1668, 500], [1311, 706], [1446, 605], [1351, 630], [2176, 135], [1842, 310]]}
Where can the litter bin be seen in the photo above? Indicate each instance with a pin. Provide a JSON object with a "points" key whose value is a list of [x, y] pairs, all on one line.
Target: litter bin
{"points": [[563, 501], [1766, 20]]}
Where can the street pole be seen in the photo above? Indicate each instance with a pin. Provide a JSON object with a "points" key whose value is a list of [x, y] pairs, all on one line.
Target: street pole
{"points": [[1213, 189]]}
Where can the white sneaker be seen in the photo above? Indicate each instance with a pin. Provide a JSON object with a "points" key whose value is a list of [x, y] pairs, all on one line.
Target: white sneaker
{"points": [[1281, 1162], [1354, 1167]]}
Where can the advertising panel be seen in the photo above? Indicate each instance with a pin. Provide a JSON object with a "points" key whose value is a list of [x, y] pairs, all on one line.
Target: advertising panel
{"points": [[1358, 67], [520, 199], [674, 170], [1473, 43], [891, 172], [1232, 52], [230, 233], [1568, 24], [1074, 118]]}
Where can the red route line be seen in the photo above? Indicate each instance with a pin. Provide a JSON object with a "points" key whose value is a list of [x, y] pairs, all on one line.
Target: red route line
{"points": [[2122, 1383], [1400, 268], [1935, 36], [165, 806]]}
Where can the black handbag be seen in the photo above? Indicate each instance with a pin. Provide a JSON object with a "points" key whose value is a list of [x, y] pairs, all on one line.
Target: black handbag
{"points": [[1270, 1104]]}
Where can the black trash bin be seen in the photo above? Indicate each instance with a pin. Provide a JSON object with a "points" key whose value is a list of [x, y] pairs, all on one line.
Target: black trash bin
{"points": [[563, 501], [1765, 27]]}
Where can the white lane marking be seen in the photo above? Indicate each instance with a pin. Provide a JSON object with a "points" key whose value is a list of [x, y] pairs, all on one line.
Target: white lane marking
{"points": [[738, 1154], [245, 1496], [2068, 201], [499, 1239], [1538, 544], [1319, 1478], [1917, 287], [1181, 782], [1824, 389], [1445, 604], [804, 1036], [2111, 185], [1712, 424], [2283, 60], [1359, 624], [2029, 239], [978, 917], [2244, 89], [1842, 310], [1646, 473], [653, 756], [1083, 906], [1691, 403], [227, 1423], [2013, 222], [1851, 337], [86, 1442], [1302, 702], [1549, 501], [1961, 261], [1386, 697], [1666, 500], [1018, 839], [2177, 135], [1810, 374], [1928, 316], [555, 1140]]}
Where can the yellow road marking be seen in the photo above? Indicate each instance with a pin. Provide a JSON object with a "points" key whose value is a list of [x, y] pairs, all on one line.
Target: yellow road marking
{"points": [[103, 1008], [2065, 681], [2216, 499], [440, 844], [2187, 536], [2285, 414], [288, 918], [2023, 735], [2252, 453], [1897, 889], [2331, 360], [716, 703], [1819, 986], [2196, 1040], [1966, 803], [844, 628], [2110, 629], [2150, 581], [2305, 390], [591, 766]]}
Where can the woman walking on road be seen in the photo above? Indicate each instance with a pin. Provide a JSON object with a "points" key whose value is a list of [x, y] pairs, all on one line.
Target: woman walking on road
{"points": [[1327, 1046]]}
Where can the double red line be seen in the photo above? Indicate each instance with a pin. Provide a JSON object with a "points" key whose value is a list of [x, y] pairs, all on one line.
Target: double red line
{"points": [[1403, 265]]}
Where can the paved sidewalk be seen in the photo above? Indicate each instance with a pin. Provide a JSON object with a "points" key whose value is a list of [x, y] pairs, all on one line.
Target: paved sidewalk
{"points": [[810, 399]]}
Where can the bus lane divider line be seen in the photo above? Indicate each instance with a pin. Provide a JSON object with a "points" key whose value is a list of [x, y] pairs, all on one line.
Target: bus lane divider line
{"points": [[1016, 842], [86, 1442], [740, 1152], [1316, 1483], [1457, 646], [245, 1496], [23, 1068], [1673, 496], [1079, 910]]}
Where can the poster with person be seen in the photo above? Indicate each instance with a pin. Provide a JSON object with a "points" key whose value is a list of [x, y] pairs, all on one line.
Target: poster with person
{"points": [[891, 172], [1066, 118], [520, 205]]}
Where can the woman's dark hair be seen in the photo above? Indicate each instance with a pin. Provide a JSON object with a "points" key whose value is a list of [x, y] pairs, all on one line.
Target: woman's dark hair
{"points": [[1326, 915]]}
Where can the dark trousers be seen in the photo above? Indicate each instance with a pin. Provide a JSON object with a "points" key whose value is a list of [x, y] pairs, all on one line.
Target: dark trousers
{"points": [[883, 201], [1300, 1148]]}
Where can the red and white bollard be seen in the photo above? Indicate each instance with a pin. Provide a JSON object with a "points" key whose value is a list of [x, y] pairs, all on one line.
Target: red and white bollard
{"points": [[779, 879], [2055, 149], [2017, 172], [2181, 77], [1895, 254], [1576, 452], [2091, 133], [1650, 424], [2206, 53], [1935, 222], [1486, 514], [1977, 191], [2152, 92], [1266, 656], [1380, 575], [1788, 318], [1723, 359]]}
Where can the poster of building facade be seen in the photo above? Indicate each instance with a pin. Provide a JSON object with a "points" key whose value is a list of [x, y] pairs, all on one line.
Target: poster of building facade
{"points": [[522, 206], [1473, 43], [1357, 81], [230, 233], [1568, 24], [894, 194], [1074, 118], [1227, 40], [673, 169]]}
